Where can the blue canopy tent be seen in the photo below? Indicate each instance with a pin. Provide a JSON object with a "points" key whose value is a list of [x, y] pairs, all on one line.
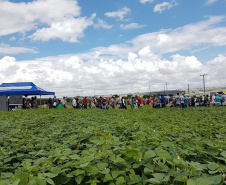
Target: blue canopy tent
{"points": [[22, 88]]}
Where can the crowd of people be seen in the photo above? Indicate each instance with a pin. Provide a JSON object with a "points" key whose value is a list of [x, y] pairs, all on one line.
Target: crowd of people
{"points": [[156, 101]]}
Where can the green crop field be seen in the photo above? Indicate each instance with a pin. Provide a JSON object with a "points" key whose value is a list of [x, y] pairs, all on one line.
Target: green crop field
{"points": [[142, 146]]}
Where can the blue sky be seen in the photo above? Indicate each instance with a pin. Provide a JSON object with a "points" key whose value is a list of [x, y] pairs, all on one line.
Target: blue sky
{"points": [[73, 47]]}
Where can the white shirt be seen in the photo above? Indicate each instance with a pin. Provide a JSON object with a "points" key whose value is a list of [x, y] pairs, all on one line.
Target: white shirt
{"points": [[74, 103]]}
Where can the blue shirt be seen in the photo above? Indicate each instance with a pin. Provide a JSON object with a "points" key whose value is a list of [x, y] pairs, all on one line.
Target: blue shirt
{"points": [[163, 100]]}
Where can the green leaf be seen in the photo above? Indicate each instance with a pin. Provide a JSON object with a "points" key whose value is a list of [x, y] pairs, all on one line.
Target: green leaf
{"points": [[79, 172], [223, 154], [102, 166], [202, 181], [212, 166], [79, 179], [50, 175], [164, 154], [16, 182], [149, 154], [148, 171], [57, 151], [85, 164], [215, 179], [106, 171], [159, 176], [50, 181], [23, 179], [120, 181], [116, 173], [119, 160], [5, 175], [92, 169], [4, 182], [134, 179], [37, 181], [55, 170], [75, 156], [136, 165], [107, 178], [191, 182]]}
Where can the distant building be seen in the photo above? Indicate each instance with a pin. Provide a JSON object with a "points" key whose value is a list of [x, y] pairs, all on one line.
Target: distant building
{"points": [[167, 92]]}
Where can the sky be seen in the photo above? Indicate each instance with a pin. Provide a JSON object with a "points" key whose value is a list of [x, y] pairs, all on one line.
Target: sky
{"points": [[99, 47]]}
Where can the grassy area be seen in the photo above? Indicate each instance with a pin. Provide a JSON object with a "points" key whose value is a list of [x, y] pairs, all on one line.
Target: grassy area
{"points": [[141, 146]]}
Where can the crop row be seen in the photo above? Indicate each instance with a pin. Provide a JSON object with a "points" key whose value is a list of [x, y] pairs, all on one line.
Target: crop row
{"points": [[142, 146]]}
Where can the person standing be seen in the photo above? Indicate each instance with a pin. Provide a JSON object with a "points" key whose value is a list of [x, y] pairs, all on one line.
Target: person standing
{"points": [[74, 103], [163, 101], [218, 100], [153, 101], [178, 100], [123, 103], [138, 101], [64, 102], [213, 100], [50, 103], [185, 101], [171, 101], [132, 103], [54, 102], [156, 101], [85, 102]]}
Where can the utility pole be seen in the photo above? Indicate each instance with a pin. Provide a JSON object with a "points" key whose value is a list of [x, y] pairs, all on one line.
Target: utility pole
{"points": [[204, 88], [188, 88], [166, 86]]}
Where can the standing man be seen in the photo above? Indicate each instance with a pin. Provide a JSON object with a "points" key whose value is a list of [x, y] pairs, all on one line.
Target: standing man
{"points": [[64, 102], [185, 101], [218, 100], [85, 102], [138, 100], [163, 101], [74, 103], [54, 102], [178, 100], [123, 103]]}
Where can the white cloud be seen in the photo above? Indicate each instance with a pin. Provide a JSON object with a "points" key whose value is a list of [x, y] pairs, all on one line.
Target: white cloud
{"points": [[12, 38], [183, 38], [102, 24], [66, 30], [58, 21], [73, 76], [120, 14], [7, 49], [209, 2], [131, 26], [128, 67], [146, 1], [164, 6]]}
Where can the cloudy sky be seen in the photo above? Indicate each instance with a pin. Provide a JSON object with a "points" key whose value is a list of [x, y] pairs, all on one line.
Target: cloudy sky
{"points": [[87, 47]]}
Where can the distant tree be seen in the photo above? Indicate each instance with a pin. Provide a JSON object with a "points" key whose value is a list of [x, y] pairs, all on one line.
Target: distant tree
{"points": [[69, 99], [146, 96], [129, 96]]}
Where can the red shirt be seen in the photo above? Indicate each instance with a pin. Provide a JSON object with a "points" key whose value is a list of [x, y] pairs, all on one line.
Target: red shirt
{"points": [[139, 101], [84, 101], [107, 100], [153, 101]]}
